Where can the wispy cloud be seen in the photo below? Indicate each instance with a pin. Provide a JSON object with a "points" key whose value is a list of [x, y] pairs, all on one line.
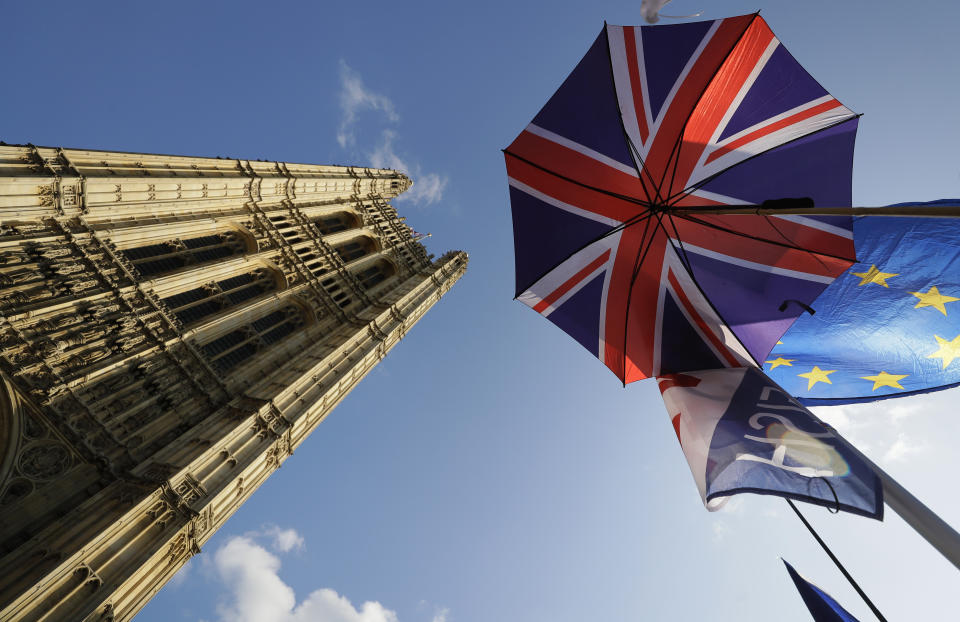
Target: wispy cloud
{"points": [[355, 98], [250, 574], [439, 613], [181, 577], [427, 187], [901, 449], [887, 430], [284, 540]]}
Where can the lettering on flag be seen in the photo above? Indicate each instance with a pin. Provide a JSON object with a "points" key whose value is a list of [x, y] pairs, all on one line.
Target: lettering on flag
{"points": [[741, 432], [808, 455]]}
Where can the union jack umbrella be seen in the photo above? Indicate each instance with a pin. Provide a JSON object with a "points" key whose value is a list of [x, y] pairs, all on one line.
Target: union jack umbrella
{"points": [[613, 183]]}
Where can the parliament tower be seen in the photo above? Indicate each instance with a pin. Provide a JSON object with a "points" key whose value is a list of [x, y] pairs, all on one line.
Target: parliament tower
{"points": [[171, 329]]}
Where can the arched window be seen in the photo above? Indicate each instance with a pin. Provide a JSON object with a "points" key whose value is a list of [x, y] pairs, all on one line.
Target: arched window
{"points": [[377, 273], [356, 248], [235, 347], [196, 304], [167, 256], [340, 221]]}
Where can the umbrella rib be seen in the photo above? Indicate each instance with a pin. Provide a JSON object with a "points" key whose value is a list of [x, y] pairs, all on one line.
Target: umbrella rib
{"points": [[633, 221], [633, 278], [693, 278], [643, 168], [773, 225], [635, 154], [711, 225], [679, 142], [616, 195], [683, 194]]}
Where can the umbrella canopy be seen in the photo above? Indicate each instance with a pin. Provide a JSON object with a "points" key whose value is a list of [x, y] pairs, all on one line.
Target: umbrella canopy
{"points": [[656, 118]]}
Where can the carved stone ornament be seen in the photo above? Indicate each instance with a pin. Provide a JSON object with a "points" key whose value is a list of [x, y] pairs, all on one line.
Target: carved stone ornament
{"points": [[177, 547], [47, 195], [68, 195], [202, 522], [190, 489], [45, 460]]}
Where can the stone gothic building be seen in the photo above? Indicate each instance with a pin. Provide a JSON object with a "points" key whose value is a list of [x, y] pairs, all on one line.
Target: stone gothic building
{"points": [[171, 329]]}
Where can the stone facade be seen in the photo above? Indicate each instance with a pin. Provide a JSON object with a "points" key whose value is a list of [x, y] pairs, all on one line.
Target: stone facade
{"points": [[171, 329]]}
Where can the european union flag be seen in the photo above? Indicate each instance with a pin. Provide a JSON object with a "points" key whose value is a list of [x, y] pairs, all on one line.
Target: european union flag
{"points": [[889, 326]]}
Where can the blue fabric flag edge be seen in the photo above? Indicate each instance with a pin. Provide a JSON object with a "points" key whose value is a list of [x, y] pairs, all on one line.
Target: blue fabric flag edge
{"points": [[821, 605]]}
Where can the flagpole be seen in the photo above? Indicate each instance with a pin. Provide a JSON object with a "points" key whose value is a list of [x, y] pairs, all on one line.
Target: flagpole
{"points": [[836, 561], [923, 211], [924, 521]]}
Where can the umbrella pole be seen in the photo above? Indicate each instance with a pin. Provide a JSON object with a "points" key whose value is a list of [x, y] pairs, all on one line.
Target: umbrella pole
{"points": [[924, 521], [931, 211]]}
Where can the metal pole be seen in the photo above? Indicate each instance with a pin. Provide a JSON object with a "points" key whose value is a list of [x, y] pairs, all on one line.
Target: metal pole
{"points": [[836, 561], [924, 521], [934, 529], [926, 211]]}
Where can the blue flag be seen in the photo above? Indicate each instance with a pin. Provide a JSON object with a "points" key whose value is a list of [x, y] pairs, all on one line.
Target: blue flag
{"points": [[740, 432], [821, 605], [889, 326]]}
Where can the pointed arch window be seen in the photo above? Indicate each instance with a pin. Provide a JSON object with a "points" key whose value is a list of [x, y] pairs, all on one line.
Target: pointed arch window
{"points": [[156, 259], [335, 223], [356, 248], [196, 304], [228, 351], [375, 274]]}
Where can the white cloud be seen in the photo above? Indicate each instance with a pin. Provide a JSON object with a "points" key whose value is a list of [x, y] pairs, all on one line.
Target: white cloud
{"points": [[886, 431], [385, 157], [901, 448], [256, 593], [427, 188], [441, 615], [181, 575], [355, 97], [325, 605], [902, 410], [284, 540]]}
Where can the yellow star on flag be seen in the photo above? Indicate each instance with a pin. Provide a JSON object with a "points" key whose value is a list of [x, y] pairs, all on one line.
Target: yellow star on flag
{"points": [[948, 350], [933, 298], [874, 276], [816, 375], [883, 379], [777, 362]]}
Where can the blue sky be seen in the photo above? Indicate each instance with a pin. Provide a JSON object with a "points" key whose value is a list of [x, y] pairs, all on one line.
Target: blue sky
{"points": [[489, 469]]}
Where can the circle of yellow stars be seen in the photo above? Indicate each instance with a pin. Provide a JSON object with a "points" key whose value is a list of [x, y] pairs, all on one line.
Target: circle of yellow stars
{"points": [[947, 351]]}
